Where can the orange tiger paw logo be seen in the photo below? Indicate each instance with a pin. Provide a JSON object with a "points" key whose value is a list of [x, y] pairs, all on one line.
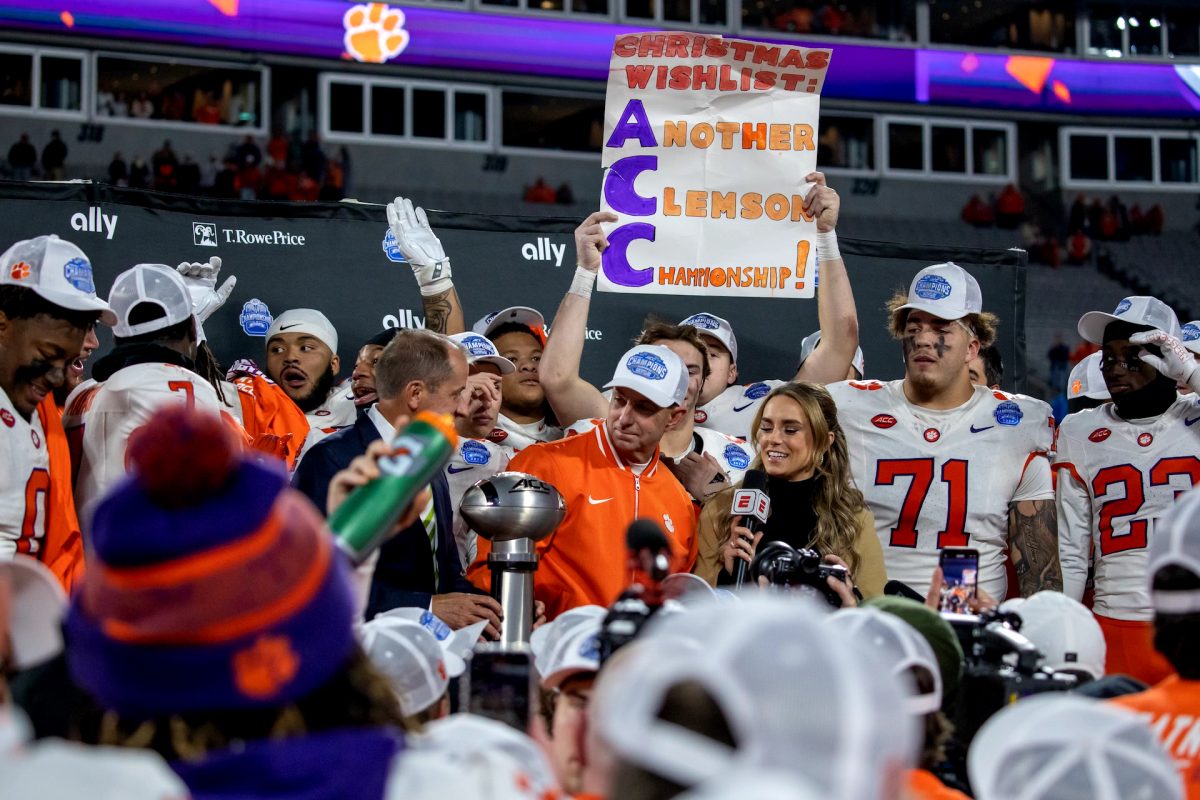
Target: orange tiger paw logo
{"points": [[20, 271], [263, 669], [374, 32]]}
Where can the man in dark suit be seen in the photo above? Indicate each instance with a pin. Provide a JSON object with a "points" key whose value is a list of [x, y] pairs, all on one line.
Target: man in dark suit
{"points": [[417, 371]]}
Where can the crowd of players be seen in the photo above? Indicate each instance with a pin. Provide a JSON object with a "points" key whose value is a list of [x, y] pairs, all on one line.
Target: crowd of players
{"points": [[171, 599]]}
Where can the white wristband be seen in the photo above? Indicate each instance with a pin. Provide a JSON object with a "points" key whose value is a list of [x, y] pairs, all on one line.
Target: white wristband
{"points": [[827, 247], [434, 279], [582, 283]]}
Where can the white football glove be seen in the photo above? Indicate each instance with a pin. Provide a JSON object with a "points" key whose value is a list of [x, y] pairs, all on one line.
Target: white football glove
{"points": [[420, 246], [1176, 361], [201, 280]]}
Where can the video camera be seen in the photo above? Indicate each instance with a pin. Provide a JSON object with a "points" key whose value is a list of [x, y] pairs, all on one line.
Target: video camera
{"points": [[784, 565], [1001, 668]]}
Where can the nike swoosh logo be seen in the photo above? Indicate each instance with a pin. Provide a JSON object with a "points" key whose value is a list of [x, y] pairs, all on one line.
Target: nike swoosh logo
{"points": [[598, 502], [293, 325], [1191, 422], [981, 430], [740, 409], [454, 470]]}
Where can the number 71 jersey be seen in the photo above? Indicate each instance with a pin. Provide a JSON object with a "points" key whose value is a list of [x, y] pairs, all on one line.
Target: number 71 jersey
{"points": [[937, 479], [1115, 478]]}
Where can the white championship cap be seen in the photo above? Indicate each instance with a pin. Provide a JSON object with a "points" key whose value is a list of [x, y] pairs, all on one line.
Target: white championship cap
{"points": [[571, 647], [760, 661], [36, 611], [1136, 310], [810, 343], [478, 773], [716, 327], [1056, 746], [1064, 630], [418, 666], [947, 291], [516, 315], [460, 738], [900, 644], [152, 284], [480, 350], [653, 371], [1086, 380], [305, 320], [1176, 543], [57, 271], [1189, 334]]}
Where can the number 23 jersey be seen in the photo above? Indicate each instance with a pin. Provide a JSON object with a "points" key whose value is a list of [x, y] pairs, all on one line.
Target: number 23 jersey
{"points": [[1115, 477], [937, 479]]}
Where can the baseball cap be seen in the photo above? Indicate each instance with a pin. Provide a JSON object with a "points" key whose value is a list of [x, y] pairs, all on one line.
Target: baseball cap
{"points": [[653, 371], [1086, 380], [38, 604], [1136, 310], [460, 738], [759, 660], [716, 327], [480, 349], [937, 632], [1054, 746], [57, 271], [413, 661], [516, 315], [1176, 543], [947, 291], [155, 284], [810, 343], [305, 320], [1065, 631], [456, 642], [1190, 336], [902, 647], [570, 645]]}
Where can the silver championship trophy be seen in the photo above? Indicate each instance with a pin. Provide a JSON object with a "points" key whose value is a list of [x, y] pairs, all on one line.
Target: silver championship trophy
{"points": [[513, 510]]}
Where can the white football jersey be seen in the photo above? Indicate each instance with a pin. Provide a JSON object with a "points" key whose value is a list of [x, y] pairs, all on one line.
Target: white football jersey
{"points": [[473, 460], [936, 479], [116, 408], [24, 481], [1115, 478], [519, 435], [732, 411]]}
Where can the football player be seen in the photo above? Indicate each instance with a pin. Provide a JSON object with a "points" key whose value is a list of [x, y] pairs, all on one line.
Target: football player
{"points": [[1120, 466], [944, 463]]}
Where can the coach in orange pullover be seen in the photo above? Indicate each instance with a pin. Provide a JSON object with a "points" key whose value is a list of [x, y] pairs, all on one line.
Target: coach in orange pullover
{"points": [[610, 476]]}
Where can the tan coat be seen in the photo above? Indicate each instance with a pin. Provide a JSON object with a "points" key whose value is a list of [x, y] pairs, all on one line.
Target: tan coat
{"points": [[714, 531]]}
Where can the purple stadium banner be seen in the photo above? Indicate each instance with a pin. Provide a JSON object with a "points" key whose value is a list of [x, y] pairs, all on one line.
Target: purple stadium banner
{"points": [[571, 48]]}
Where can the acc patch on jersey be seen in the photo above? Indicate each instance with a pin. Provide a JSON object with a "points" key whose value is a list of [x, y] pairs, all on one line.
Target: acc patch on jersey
{"points": [[756, 390], [884, 421], [498, 435], [1008, 413], [474, 452], [1099, 435], [736, 456], [8, 418]]}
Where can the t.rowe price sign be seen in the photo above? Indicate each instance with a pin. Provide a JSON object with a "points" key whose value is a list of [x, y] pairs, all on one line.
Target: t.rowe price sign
{"points": [[336, 29]]}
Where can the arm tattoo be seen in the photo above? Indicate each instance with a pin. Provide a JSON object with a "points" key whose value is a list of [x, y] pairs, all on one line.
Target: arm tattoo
{"points": [[1033, 538], [437, 311]]}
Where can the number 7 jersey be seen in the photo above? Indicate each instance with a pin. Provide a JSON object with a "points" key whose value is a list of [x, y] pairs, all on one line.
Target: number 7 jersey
{"points": [[936, 479], [1115, 478]]}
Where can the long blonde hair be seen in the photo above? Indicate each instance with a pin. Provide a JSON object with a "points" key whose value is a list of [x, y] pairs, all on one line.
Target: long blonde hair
{"points": [[837, 502]]}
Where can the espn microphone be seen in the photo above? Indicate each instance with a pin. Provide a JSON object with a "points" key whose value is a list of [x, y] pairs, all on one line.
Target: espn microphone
{"points": [[754, 504]]}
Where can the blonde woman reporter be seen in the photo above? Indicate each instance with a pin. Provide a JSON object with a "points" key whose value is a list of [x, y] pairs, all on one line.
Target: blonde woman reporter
{"points": [[802, 449]]}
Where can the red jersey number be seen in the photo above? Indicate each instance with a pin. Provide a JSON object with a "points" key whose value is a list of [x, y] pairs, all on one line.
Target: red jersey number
{"points": [[38, 484], [1133, 497], [920, 471]]}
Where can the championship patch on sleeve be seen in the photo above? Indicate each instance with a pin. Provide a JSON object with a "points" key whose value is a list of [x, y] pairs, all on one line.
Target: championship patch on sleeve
{"points": [[1008, 413], [756, 390], [474, 452], [736, 457]]}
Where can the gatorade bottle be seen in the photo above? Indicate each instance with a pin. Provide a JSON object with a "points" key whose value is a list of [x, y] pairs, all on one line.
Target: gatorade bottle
{"points": [[421, 450]]}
